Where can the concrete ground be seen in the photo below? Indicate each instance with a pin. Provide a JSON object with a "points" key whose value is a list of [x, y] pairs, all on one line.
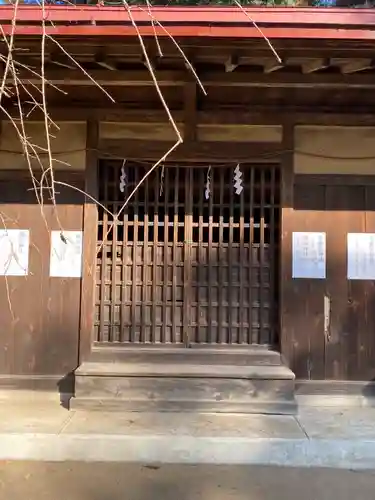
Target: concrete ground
{"points": [[38, 428], [106, 481]]}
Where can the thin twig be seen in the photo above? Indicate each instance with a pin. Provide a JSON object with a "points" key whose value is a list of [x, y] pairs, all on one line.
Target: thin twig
{"points": [[154, 28], [169, 114], [23, 137], [7, 288], [61, 183], [188, 63], [260, 31], [80, 67], [151, 70], [46, 124], [10, 49], [25, 143], [154, 167]]}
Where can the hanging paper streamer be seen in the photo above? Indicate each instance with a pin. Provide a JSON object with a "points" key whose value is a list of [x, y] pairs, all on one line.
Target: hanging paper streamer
{"points": [[207, 191], [123, 178], [161, 181], [238, 186]]}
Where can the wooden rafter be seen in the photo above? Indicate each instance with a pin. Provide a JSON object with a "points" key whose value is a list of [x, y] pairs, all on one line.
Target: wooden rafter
{"points": [[231, 63], [356, 65], [315, 65], [103, 61], [61, 61], [271, 66]]}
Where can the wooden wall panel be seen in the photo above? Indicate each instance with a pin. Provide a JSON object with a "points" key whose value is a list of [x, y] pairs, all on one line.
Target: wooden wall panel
{"points": [[67, 144], [366, 319], [344, 207], [21, 318], [336, 205], [334, 150], [39, 333], [307, 296], [62, 301]]}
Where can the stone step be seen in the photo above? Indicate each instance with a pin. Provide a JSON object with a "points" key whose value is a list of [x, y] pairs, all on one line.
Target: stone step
{"points": [[236, 355], [184, 387], [255, 407], [173, 370]]}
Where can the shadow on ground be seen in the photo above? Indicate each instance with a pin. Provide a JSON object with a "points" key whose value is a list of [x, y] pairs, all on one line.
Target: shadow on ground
{"points": [[88, 481]]}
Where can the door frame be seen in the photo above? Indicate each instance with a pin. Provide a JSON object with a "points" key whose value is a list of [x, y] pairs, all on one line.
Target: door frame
{"points": [[249, 151]]}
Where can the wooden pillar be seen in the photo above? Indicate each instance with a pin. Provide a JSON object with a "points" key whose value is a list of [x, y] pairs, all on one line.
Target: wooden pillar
{"points": [[190, 112], [286, 221], [90, 227]]}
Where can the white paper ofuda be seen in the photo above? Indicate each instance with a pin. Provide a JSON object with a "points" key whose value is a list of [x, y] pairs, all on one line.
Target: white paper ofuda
{"points": [[66, 254], [309, 255], [14, 252], [361, 256]]}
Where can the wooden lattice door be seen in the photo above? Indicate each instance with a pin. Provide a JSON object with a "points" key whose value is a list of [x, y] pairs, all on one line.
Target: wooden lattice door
{"points": [[182, 266]]}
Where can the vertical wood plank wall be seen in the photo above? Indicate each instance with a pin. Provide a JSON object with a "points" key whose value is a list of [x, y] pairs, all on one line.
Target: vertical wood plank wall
{"points": [[336, 205], [39, 320]]}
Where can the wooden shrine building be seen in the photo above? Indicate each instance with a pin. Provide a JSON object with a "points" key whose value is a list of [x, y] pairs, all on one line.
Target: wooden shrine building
{"points": [[202, 293]]}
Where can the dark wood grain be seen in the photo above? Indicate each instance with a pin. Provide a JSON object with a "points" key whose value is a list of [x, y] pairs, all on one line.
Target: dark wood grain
{"points": [[90, 223], [336, 205], [40, 315], [286, 221]]}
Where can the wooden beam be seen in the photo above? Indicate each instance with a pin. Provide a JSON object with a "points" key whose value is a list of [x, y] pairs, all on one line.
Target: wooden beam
{"points": [[334, 180], [198, 151], [315, 65], [258, 115], [219, 79], [356, 65], [90, 228], [287, 214]]}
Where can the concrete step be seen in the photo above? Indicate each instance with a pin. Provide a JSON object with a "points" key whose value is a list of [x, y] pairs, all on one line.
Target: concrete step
{"points": [[207, 355]]}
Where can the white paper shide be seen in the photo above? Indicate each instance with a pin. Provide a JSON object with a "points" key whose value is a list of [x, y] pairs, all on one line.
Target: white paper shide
{"points": [[361, 256], [14, 252], [309, 255], [66, 254]]}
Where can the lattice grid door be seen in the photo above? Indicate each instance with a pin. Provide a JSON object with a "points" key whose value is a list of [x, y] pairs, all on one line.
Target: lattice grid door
{"points": [[178, 268]]}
